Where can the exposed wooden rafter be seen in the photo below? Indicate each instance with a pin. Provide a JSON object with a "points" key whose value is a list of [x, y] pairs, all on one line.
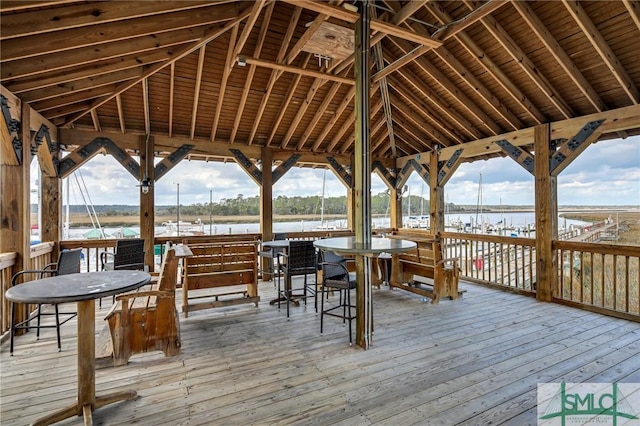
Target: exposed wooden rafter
{"points": [[600, 45]]}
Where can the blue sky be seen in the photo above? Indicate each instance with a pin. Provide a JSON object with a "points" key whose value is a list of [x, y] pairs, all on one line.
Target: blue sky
{"points": [[606, 174]]}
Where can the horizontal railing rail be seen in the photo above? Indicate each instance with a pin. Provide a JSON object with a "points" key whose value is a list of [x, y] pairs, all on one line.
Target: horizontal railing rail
{"points": [[505, 262], [600, 277]]}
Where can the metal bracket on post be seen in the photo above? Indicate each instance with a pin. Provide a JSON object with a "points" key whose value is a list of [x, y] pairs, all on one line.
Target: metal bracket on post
{"points": [[13, 126], [515, 153], [344, 174], [444, 167], [388, 174], [247, 165], [284, 167], [573, 144]]}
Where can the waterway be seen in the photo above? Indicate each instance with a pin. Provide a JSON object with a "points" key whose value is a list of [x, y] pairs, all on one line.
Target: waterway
{"points": [[515, 224]]}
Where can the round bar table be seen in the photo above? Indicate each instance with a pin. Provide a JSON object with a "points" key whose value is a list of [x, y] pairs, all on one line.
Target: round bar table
{"points": [[82, 288], [348, 245]]}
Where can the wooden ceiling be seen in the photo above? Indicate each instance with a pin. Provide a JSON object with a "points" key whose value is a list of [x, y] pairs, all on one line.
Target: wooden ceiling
{"points": [[444, 72]]}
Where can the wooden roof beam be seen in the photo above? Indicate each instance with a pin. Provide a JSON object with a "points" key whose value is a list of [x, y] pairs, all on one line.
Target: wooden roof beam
{"points": [[196, 90], [376, 24], [425, 127], [328, 98], [69, 73], [617, 120], [554, 48], [64, 40], [145, 104], [518, 55], [600, 45], [225, 77], [298, 70], [634, 11], [293, 85], [424, 113], [303, 108], [252, 70], [384, 94], [440, 78], [488, 65], [172, 83], [62, 89], [443, 33], [96, 121], [293, 22], [123, 128], [444, 109], [86, 15], [21, 5], [346, 101], [73, 98], [210, 35]]}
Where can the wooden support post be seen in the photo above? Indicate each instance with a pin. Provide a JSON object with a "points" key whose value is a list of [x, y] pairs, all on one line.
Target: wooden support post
{"points": [[546, 208], [362, 176], [351, 209], [436, 197], [395, 207], [147, 210], [15, 215], [51, 210], [266, 195]]}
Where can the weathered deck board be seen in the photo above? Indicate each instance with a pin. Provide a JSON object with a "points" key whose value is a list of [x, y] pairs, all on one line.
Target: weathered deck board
{"points": [[476, 360]]}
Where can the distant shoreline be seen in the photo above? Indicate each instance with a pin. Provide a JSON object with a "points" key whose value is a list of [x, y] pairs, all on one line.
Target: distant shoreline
{"points": [[582, 214]]}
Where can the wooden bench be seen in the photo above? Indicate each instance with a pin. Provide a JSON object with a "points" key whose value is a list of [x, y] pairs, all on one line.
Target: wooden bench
{"points": [[145, 320], [214, 266], [424, 270]]}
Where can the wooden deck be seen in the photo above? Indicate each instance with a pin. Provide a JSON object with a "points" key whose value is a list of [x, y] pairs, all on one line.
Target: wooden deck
{"points": [[473, 361]]}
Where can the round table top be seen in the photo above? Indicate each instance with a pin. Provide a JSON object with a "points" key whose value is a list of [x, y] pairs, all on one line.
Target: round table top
{"points": [[378, 245], [276, 243], [77, 287]]}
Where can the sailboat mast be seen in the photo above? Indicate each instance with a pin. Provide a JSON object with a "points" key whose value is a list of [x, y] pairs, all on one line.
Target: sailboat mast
{"points": [[479, 205], [324, 179], [66, 221]]}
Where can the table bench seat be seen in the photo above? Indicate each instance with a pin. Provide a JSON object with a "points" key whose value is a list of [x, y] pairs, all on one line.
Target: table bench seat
{"points": [[424, 270], [210, 275]]}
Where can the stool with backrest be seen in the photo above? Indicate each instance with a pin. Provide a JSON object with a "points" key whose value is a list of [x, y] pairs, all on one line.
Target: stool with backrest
{"points": [[68, 263], [129, 255], [271, 255], [336, 276], [300, 259]]}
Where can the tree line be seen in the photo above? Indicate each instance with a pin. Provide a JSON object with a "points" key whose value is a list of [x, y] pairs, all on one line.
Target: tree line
{"points": [[282, 205]]}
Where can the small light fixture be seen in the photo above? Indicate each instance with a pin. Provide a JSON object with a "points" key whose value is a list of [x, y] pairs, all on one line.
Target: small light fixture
{"points": [[242, 61], [145, 185]]}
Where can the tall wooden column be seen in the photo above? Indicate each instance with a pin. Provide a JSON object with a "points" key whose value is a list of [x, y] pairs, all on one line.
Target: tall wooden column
{"points": [[266, 195], [147, 201], [51, 209], [362, 176], [15, 215], [395, 208], [436, 197], [351, 209], [546, 205]]}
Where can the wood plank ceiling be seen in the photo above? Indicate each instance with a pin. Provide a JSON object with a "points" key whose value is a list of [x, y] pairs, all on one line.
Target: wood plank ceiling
{"points": [[444, 72]]}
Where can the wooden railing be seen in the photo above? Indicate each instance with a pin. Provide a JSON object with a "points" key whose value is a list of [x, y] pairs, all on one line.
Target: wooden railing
{"points": [[505, 262], [600, 277]]}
